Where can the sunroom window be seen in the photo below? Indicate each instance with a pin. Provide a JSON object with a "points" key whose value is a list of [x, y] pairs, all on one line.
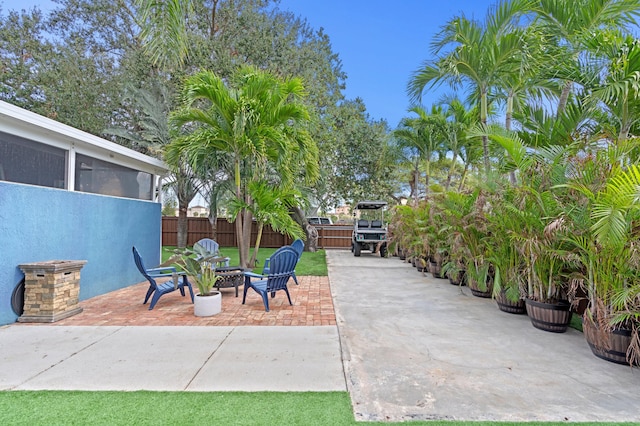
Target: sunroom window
{"points": [[25, 161], [101, 177]]}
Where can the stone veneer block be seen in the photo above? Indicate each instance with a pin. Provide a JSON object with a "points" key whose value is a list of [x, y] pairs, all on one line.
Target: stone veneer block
{"points": [[51, 290]]}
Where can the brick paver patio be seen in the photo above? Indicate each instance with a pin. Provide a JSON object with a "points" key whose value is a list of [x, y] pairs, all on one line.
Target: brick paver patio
{"points": [[312, 305]]}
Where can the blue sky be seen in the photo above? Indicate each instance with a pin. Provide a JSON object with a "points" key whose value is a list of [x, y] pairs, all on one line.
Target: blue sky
{"points": [[380, 42]]}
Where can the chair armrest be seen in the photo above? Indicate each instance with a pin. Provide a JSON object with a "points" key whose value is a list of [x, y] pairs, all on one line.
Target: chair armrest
{"points": [[162, 269], [165, 274], [253, 275], [224, 261]]}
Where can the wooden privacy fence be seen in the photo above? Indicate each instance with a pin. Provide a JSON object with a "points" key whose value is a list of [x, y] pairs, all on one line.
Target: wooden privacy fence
{"points": [[334, 236], [329, 236]]}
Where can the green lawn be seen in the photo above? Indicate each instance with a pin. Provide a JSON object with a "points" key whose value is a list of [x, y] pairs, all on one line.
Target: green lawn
{"points": [[576, 322], [35, 408], [310, 264]]}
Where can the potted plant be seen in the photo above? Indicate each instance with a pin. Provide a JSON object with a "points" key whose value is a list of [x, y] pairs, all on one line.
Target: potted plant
{"points": [[604, 235], [539, 240], [437, 237], [504, 220], [474, 232], [453, 205], [201, 269], [407, 231], [537, 232]]}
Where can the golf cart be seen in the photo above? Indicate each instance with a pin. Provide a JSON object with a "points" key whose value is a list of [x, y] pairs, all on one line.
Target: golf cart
{"points": [[369, 229]]}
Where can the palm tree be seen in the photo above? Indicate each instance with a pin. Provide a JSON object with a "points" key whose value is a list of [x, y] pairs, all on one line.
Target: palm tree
{"points": [[422, 133], [270, 206], [618, 92], [540, 128], [216, 185], [528, 82], [458, 121], [258, 121], [573, 23], [151, 136], [164, 30], [480, 54], [404, 138]]}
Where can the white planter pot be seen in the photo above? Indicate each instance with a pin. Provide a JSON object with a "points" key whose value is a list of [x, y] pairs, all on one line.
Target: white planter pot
{"points": [[206, 306]]}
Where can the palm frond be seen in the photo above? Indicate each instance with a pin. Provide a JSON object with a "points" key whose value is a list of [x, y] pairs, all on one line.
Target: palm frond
{"points": [[164, 30]]}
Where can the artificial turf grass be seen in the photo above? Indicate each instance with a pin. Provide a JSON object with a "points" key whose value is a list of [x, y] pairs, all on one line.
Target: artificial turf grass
{"points": [[174, 408], [310, 264], [35, 408]]}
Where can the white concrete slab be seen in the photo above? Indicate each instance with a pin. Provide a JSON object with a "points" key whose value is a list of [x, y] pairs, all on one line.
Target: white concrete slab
{"points": [[134, 358], [275, 359], [27, 351], [171, 358]]}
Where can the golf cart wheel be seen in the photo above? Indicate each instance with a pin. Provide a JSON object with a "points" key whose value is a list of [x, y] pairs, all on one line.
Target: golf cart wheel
{"points": [[356, 249], [351, 246], [383, 250]]}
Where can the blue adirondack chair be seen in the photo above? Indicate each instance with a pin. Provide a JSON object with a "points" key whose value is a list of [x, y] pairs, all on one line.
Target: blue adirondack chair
{"points": [[157, 290], [214, 248], [298, 246], [283, 262]]}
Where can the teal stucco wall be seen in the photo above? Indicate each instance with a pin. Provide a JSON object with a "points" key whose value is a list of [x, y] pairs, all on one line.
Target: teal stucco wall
{"points": [[39, 224]]}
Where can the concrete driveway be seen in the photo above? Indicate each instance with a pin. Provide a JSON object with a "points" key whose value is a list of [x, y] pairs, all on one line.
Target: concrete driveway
{"points": [[416, 347]]}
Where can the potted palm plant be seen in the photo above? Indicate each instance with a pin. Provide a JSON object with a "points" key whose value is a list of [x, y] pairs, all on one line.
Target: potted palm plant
{"points": [[407, 231], [199, 264], [504, 220], [479, 274], [536, 233], [454, 267], [605, 238], [437, 235], [538, 237]]}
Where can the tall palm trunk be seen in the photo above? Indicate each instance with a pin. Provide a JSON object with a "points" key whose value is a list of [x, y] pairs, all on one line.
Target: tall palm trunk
{"points": [[507, 125], [416, 179], [426, 180], [185, 189], [254, 256], [509, 112], [450, 172], [213, 212], [464, 176], [213, 221], [243, 251], [239, 239], [483, 121], [247, 222], [564, 98], [183, 223], [243, 236]]}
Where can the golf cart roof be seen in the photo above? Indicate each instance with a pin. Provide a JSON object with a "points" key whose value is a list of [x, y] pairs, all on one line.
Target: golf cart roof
{"points": [[370, 205]]}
